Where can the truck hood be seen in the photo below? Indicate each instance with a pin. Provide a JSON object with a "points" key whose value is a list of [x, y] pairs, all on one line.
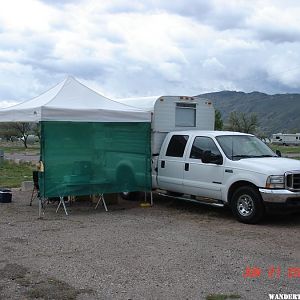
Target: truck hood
{"points": [[268, 165]]}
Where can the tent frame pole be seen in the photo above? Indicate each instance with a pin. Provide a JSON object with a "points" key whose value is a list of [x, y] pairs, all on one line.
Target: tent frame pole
{"points": [[62, 201]]}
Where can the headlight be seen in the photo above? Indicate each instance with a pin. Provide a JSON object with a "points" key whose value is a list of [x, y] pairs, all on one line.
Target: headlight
{"points": [[275, 182]]}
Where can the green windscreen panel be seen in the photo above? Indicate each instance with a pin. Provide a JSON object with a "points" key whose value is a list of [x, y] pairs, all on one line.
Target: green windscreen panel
{"points": [[91, 158]]}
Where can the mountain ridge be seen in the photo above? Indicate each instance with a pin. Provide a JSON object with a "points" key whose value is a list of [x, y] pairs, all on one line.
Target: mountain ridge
{"points": [[276, 113]]}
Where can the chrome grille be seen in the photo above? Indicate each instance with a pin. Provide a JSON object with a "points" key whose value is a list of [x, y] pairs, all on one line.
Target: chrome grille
{"points": [[293, 181]]}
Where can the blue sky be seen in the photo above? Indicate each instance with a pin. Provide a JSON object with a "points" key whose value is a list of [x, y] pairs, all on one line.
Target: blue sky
{"points": [[152, 47]]}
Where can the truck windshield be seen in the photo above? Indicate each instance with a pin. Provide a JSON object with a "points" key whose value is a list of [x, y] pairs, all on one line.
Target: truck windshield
{"points": [[237, 147]]}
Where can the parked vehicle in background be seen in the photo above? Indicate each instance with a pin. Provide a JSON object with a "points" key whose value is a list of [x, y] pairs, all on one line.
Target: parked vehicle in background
{"points": [[285, 139]]}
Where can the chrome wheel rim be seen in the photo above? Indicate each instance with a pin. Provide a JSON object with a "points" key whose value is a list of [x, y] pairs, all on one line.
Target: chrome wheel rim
{"points": [[245, 205]]}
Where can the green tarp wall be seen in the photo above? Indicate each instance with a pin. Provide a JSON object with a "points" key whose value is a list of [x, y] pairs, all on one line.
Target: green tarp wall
{"points": [[91, 158]]}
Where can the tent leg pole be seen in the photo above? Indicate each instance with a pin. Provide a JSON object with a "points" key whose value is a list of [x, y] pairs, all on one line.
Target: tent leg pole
{"points": [[104, 204], [64, 205], [40, 208], [62, 201], [101, 198], [58, 205]]}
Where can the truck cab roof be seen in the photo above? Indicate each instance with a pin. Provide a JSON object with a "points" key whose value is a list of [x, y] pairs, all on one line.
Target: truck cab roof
{"points": [[210, 133]]}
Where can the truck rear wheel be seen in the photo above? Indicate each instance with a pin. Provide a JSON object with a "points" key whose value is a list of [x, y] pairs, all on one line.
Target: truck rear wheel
{"points": [[134, 196], [126, 179], [247, 206]]}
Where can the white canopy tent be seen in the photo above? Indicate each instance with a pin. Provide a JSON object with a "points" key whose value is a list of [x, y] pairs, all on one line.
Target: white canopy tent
{"points": [[72, 101], [72, 110], [144, 103]]}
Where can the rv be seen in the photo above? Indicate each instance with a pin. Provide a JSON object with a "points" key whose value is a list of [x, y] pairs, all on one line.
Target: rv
{"points": [[286, 139]]}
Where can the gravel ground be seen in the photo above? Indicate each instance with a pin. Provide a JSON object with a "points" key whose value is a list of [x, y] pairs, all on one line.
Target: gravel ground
{"points": [[25, 157], [174, 250]]}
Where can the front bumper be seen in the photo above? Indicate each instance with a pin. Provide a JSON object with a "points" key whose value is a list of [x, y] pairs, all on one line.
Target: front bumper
{"points": [[279, 196], [275, 200]]}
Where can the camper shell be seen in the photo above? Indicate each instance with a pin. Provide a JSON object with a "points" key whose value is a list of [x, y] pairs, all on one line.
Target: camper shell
{"points": [[174, 113]]}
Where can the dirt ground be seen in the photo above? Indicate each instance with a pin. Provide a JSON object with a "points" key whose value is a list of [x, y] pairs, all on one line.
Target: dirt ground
{"points": [[174, 250]]}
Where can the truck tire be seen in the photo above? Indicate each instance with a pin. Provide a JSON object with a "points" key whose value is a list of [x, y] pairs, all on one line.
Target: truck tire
{"points": [[126, 179], [247, 205], [134, 196]]}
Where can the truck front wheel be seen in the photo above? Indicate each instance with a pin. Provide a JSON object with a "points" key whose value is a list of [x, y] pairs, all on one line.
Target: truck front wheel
{"points": [[246, 205]]}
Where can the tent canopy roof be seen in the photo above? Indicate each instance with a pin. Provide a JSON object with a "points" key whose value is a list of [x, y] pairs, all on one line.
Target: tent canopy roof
{"points": [[70, 100], [145, 103]]}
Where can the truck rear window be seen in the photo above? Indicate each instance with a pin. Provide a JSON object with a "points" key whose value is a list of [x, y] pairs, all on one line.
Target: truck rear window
{"points": [[177, 145]]}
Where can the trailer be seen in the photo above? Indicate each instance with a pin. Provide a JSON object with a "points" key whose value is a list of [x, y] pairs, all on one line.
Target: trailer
{"points": [[285, 139], [174, 113]]}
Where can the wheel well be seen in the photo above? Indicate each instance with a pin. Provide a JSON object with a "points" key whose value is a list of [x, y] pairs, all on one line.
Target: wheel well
{"points": [[237, 185], [126, 175], [124, 170]]}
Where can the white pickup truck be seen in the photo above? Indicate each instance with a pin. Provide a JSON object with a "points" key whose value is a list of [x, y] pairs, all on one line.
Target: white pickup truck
{"points": [[226, 168], [229, 167]]}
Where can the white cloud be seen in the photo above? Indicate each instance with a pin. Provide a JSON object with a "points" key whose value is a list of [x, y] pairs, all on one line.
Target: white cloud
{"points": [[127, 48], [276, 23], [284, 69], [27, 15]]}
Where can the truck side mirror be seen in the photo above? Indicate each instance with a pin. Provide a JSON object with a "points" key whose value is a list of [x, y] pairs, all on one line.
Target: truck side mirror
{"points": [[278, 153], [208, 157]]}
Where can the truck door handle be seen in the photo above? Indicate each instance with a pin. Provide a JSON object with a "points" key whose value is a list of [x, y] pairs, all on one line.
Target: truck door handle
{"points": [[162, 164], [186, 167]]}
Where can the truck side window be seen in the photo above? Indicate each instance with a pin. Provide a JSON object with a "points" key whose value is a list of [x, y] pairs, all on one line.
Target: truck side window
{"points": [[202, 144], [177, 145]]}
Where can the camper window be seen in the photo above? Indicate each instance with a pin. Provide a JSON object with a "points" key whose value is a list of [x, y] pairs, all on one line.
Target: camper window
{"points": [[185, 115]]}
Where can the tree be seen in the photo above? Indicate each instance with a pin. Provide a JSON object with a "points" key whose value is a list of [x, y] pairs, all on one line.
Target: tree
{"points": [[24, 129], [37, 130], [261, 135], [6, 131], [218, 120], [240, 121]]}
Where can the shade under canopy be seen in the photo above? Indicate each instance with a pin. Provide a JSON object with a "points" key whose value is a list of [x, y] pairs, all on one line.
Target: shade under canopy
{"points": [[70, 100]]}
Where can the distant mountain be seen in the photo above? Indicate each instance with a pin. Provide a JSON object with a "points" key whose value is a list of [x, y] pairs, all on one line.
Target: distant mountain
{"points": [[276, 113]]}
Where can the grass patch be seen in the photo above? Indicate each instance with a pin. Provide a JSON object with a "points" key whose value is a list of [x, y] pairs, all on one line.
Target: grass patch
{"points": [[286, 149], [52, 289], [12, 174], [18, 147], [39, 286], [222, 297]]}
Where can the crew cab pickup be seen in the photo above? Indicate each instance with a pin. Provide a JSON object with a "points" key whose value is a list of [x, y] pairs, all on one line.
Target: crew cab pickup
{"points": [[227, 168]]}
